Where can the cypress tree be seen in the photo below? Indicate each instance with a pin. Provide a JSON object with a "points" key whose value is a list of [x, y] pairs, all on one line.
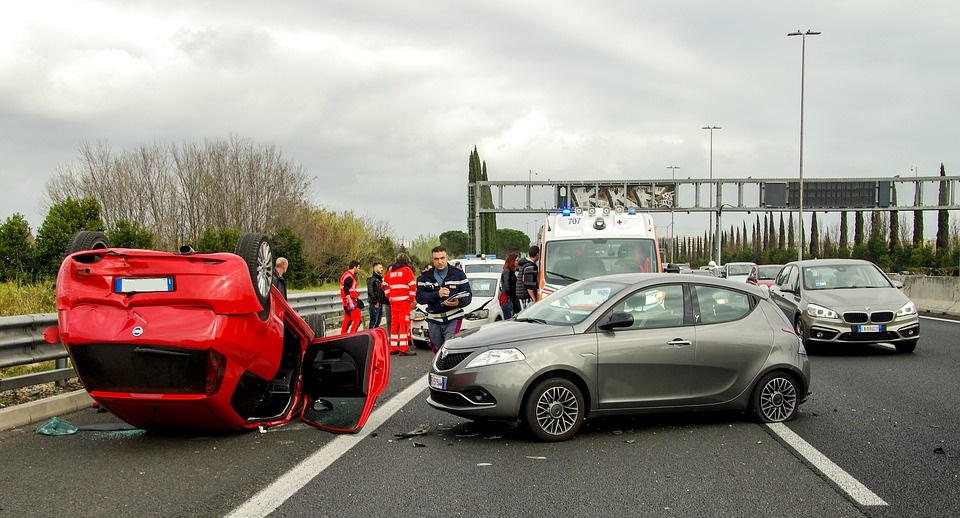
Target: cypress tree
{"points": [[814, 236], [843, 248], [943, 221]]}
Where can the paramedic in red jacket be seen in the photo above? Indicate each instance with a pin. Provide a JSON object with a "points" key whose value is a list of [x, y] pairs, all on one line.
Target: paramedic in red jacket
{"points": [[352, 316], [400, 289]]}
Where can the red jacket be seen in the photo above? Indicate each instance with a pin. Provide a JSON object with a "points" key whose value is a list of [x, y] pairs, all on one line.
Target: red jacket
{"points": [[348, 288], [399, 285]]}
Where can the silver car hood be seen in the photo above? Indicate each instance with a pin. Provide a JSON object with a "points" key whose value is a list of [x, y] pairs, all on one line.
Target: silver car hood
{"points": [[504, 332], [858, 298]]}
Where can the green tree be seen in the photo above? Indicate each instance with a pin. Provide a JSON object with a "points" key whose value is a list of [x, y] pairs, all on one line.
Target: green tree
{"points": [[843, 248], [943, 223], [917, 227], [16, 249], [63, 220], [455, 241], [130, 235], [814, 236], [300, 273], [488, 222], [859, 240], [220, 240], [510, 240], [876, 246]]}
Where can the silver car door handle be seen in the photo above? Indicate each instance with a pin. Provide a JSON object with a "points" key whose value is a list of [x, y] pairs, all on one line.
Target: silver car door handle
{"points": [[677, 342]]}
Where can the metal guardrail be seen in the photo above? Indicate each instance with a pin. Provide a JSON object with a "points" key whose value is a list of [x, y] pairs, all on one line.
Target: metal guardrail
{"points": [[22, 343]]}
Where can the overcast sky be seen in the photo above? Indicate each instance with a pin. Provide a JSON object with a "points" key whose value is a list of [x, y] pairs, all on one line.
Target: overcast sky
{"points": [[382, 102]]}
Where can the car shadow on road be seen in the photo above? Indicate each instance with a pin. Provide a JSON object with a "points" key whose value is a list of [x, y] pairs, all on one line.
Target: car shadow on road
{"points": [[864, 349]]}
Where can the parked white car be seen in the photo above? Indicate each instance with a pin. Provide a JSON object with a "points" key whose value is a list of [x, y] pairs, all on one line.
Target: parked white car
{"points": [[479, 263], [483, 308], [737, 271]]}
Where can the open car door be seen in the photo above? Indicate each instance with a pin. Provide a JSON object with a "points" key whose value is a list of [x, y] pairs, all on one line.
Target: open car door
{"points": [[342, 378]]}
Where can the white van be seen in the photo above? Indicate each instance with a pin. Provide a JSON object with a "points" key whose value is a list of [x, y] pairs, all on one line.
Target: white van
{"points": [[582, 243]]}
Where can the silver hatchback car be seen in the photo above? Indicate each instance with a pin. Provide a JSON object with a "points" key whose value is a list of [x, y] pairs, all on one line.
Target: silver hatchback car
{"points": [[626, 344], [833, 301]]}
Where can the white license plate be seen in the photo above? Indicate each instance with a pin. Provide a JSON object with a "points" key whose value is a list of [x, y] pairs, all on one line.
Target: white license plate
{"points": [[874, 328], [143, 284], [438, 382]]}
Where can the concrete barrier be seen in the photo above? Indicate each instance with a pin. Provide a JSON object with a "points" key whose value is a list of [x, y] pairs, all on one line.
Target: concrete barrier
{"points": [[934, 295]]}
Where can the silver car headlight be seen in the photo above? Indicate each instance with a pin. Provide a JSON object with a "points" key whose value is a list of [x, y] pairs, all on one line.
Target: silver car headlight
{"points": [[908, 309], [495, 356], [816, 311], [478, 314]]}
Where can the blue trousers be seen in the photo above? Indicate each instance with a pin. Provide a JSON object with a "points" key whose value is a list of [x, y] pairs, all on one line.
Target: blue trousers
{"points": [[376, 314]]}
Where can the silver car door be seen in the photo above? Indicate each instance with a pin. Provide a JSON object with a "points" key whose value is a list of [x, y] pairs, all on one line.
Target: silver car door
{"points": [[649, 363]]}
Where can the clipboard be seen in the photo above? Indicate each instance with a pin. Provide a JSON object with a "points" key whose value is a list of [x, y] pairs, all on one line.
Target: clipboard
{"points": [[457, 295]]}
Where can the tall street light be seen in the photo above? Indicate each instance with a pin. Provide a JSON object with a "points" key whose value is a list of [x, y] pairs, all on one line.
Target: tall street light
{"points": [[803, 52], [673, 175], [716, 235]]}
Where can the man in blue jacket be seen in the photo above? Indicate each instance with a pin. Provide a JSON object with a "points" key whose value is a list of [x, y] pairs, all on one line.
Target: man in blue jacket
{"points": [[446, 291]]}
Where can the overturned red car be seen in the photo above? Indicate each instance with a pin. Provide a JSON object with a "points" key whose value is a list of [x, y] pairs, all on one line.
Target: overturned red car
{"points": [[203, 341]]}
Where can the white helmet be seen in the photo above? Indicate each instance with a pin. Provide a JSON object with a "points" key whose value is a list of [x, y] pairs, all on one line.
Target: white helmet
{"points": [[712, 263]]}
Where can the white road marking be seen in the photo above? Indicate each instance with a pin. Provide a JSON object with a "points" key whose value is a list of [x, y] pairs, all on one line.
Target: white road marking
{"points": [[287, 485], [841, 478], [940, 319]]}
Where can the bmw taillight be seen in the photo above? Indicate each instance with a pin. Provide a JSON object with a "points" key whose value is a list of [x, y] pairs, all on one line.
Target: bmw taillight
{"points": [[216, 366]]}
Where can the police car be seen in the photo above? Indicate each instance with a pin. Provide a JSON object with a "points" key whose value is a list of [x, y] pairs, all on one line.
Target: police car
{"points": [[483, 309]]}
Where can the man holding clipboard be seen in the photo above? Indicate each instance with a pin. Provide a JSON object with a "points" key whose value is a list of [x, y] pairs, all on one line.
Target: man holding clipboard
{"points": [[446, 291]]}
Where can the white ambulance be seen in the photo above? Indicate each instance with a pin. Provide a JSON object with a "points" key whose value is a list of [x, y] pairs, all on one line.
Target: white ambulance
{"points": [[582, 243]]}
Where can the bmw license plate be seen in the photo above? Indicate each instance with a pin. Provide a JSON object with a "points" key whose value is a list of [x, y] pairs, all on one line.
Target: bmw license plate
{"points": [[873, 328], [438, 382]]}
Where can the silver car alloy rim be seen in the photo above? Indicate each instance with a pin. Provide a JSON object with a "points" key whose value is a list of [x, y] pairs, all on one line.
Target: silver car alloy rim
{"points": [[557, 410], [778, 399], [263, 268]]}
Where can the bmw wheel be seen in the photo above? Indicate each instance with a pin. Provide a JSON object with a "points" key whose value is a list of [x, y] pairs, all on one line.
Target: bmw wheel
{"points": [[554, 410], [776, 398], [256, 251]]}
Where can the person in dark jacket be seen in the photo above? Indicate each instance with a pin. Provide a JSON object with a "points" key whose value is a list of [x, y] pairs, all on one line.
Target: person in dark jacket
{"points": [[280, 268], [508, 286], [528, 277], [446, 291], [375, 297]]}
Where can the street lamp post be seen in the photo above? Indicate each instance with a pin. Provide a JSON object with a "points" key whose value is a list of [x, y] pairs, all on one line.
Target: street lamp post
{"points": [[716, 236], [803, 52], [673, 175]]}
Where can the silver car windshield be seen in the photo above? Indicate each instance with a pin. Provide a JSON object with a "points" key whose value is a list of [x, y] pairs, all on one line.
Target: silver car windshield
{"points": [[482, 286], [843, 276], [572, 304]]}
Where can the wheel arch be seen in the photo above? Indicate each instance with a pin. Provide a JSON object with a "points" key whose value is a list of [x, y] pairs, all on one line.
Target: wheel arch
{"points": [[794, 373], [561, 372]]}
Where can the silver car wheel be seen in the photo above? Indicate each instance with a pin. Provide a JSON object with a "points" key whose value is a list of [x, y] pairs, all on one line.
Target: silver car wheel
{"points": [[554, 410], [777, 399], [264, 269]]}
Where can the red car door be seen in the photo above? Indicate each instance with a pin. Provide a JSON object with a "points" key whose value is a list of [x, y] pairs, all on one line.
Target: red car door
{"points": [[342, 378]]}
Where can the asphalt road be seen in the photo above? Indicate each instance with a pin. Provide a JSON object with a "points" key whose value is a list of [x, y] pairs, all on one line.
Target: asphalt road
{"points": [[887, 420]]}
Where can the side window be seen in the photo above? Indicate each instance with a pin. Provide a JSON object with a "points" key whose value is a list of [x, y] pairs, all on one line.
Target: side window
{"points": [[721, 304], [782, 276], [656, 307], [793, 278]]}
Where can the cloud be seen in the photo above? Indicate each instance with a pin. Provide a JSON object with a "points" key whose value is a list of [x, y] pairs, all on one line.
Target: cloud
{"points": [[382, 103]]}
